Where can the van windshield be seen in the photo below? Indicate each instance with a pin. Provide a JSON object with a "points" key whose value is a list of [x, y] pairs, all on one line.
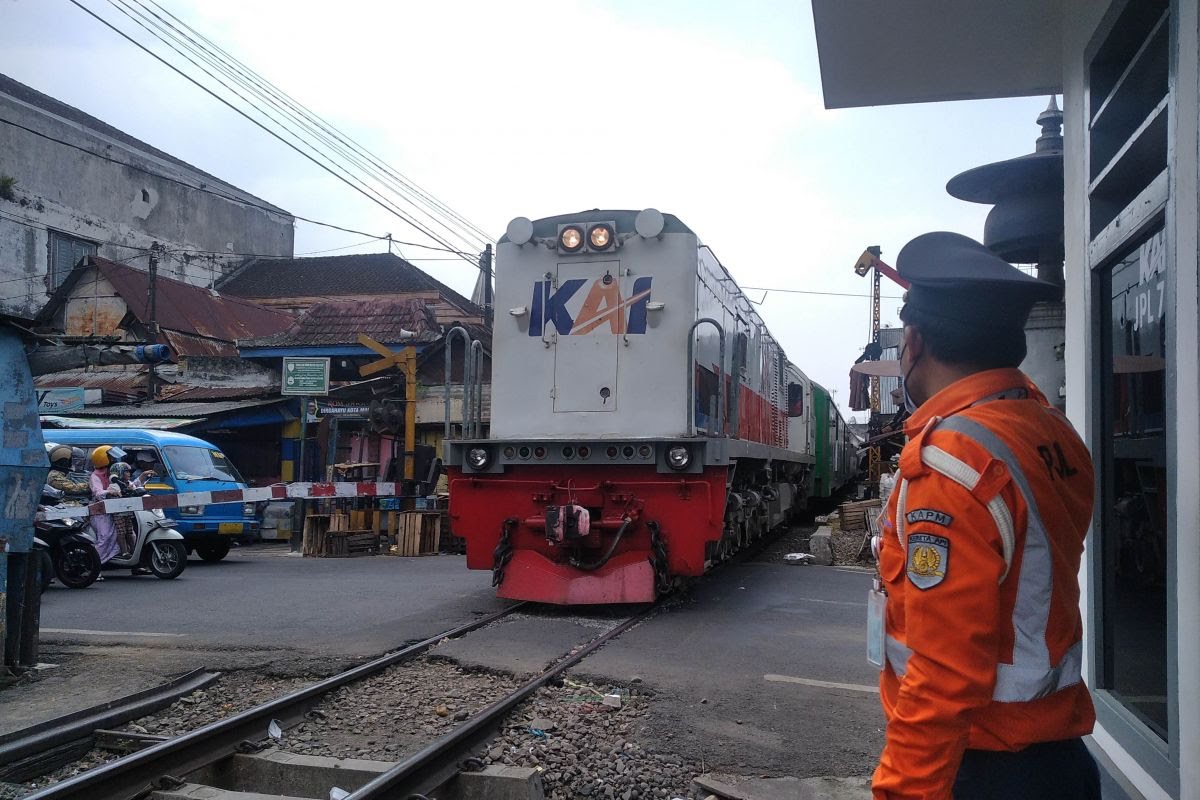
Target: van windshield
{"points": [[201, 463]]}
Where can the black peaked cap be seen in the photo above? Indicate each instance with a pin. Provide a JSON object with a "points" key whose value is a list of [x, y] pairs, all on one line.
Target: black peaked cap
{"points": [[955, 277]]}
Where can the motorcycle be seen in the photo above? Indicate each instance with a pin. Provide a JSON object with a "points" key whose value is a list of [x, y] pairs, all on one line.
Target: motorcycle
{"points": [[157, 546], [63, 548]]}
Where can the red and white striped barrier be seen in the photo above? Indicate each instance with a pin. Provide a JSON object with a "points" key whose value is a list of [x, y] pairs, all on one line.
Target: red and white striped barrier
{"points": [[279, 491]]}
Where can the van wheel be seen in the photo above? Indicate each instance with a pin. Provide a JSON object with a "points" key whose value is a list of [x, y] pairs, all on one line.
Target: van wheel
{"points": [[166, 559], [213, 552]]}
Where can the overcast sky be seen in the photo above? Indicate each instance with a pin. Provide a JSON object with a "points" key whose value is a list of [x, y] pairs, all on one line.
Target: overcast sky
{"points": [[708, 110]]}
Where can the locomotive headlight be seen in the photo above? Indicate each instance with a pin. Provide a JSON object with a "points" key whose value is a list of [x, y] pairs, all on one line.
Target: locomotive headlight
{"points": [[678, 457], [570, 239], [600, 237], [478, 457]]}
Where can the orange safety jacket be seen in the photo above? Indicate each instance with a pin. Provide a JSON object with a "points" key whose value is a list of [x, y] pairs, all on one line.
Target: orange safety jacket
{"points": [[980, 558]]}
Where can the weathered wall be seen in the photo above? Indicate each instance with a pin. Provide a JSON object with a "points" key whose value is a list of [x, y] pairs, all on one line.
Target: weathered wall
{"points": [[123, 207], [93, 309]]}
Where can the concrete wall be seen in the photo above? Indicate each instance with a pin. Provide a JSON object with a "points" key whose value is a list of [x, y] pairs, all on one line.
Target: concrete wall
{"points": [[123, 207]]}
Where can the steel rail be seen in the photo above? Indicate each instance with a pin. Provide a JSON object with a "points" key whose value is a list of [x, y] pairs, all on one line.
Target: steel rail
{"points": [[131, 776], [33, 744], [439, 762]]}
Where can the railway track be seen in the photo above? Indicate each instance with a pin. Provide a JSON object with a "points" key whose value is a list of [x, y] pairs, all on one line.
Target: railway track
{"points": [[238, 755]]}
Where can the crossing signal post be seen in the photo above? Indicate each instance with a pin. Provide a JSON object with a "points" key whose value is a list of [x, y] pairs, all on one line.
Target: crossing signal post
{"points": [[406, 361]]}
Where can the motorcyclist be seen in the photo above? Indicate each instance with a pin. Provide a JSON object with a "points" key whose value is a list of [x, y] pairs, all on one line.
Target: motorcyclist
{"points": [[102, 488], [60, 478]]}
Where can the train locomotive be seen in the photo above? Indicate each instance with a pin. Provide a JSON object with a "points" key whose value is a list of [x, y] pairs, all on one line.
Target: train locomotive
{"points": [[644, 423]]}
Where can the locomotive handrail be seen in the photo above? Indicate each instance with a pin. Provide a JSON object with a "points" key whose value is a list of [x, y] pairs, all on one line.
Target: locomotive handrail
{"points": [[476, 389], [467, 375], [691, 386]]}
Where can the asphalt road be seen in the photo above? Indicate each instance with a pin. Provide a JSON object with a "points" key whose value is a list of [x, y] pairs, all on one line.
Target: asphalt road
{"points": [[262, 597], [258, 610]]}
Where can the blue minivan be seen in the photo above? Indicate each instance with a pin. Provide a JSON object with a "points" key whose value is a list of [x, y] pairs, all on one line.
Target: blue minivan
{"points": [[183, 464]]}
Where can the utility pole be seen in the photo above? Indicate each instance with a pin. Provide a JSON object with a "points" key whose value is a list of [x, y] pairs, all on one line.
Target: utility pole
{"points": [[485, 266], [152, 314]]}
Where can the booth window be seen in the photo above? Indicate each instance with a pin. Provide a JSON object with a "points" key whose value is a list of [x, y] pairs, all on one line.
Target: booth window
{"points": [[1135, 482]]}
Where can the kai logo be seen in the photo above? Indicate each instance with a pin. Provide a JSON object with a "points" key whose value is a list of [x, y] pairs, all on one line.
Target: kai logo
{"points": [[603, 308]]}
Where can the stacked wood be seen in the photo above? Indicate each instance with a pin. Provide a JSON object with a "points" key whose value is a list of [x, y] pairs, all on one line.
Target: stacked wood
{"points": [[854, 516], [329, 536], [417, 533]]}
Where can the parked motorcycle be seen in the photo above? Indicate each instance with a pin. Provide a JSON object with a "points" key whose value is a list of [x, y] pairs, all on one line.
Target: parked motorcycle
{"points": [[63, 548]]}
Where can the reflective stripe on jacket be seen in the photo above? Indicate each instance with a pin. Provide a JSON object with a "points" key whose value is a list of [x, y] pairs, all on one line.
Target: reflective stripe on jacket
{"points": [[980, 562]]}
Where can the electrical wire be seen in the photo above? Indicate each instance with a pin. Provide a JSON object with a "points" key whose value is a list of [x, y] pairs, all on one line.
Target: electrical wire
{"points": [[236, 73], [305, 148], [319, 121], [204, 188], [769, 289]]}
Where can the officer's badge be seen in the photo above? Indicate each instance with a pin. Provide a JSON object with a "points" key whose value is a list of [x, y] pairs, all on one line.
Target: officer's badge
{"points": [[928, 559]]}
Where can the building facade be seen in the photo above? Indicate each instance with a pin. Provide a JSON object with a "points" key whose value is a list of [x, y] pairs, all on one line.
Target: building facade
{"points": [[72, 186], [1129, 73]]}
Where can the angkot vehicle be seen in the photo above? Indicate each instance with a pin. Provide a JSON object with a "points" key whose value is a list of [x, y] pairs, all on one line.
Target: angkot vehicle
{"points": [[183, 464]]}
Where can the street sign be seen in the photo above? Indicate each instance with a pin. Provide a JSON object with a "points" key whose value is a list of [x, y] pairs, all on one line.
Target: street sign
{"points": [[305, 375], [343, 408], [60, 401]]}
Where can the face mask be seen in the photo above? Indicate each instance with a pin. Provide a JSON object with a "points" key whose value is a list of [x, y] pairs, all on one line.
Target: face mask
{"points": [[910, 405]]}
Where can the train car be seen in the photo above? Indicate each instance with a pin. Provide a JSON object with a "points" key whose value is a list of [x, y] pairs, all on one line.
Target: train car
{"points": [[644, 422]]}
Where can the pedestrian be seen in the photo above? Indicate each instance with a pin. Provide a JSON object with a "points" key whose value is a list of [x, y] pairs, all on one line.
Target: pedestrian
{"points": [[975, 620], [102, 458]]}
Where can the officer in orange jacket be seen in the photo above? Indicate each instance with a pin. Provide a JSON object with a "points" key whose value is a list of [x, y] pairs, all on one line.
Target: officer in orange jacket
{"points": [[976, 611]]}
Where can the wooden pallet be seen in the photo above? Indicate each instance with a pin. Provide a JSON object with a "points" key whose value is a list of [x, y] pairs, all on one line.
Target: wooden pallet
{"points": [[854, 516], [416, 533], [322, 540]]}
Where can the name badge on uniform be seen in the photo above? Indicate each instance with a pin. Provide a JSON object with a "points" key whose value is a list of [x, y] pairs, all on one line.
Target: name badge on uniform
{"points": [[876, 629]]}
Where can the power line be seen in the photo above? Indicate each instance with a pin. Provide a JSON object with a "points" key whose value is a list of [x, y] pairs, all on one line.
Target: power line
{"points": [[770, 289], [261, 81], [296, 113], [304, 148], [205, 189]]}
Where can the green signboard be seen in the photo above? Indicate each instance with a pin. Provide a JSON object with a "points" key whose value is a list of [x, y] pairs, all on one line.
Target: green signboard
{"points": [[305, 375]]}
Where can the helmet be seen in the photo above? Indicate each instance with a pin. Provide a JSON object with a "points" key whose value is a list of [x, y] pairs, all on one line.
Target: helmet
{"points": [[120, 471], [60, 456], [105, 455]]}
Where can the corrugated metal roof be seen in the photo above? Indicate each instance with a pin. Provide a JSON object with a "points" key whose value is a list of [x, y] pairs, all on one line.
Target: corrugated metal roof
{"points": [[129, 386], [182, 344], [176, 410], [333, 276], [191, 309], [331, 324]]}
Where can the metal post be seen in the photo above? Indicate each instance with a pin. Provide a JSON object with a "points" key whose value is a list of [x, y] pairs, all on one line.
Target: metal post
{"points": [[485, 266], [152, 314], [410, 412], [691, 385], [298, 518], [466, 337], [476, 389]]}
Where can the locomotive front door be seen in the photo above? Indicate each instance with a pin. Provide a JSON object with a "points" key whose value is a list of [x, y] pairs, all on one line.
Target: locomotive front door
{"points": [[585, 356]]}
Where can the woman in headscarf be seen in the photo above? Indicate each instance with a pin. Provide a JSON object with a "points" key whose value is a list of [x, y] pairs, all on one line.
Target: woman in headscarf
{"points": [[103, 489]]}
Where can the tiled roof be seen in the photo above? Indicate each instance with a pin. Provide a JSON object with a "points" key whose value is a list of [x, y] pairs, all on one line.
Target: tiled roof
{"points": [[333, 276], [340, 323]]}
